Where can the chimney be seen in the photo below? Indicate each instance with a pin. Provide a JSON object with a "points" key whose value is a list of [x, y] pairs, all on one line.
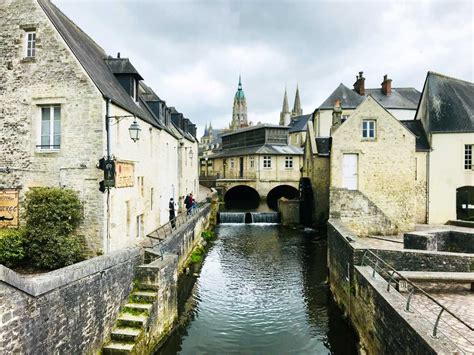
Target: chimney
{"points": [[359, 85], [118, 55], [336, 113], [386, 85]]}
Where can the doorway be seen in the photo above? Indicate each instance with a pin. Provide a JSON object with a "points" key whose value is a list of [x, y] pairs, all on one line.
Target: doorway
{"points": [[350, 171]]}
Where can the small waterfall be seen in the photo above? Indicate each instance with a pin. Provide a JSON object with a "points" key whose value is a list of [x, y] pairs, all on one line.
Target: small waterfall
{"points": [[265, 217], [232, 217]]}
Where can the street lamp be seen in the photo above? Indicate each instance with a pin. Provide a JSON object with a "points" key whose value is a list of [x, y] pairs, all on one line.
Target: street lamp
{"points": [[134, 130]]}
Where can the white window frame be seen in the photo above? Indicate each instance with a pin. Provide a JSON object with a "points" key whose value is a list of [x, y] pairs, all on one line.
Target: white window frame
{"points": [[289, 162], [252, 162], [30, 52], [366, 131], [52, 133], [267, 162], [134, 90], [468, 164]]}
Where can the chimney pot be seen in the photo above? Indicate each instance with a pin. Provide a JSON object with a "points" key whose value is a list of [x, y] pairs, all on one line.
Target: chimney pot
{"points": [[359, 85], [386, 85], [118, 55]]}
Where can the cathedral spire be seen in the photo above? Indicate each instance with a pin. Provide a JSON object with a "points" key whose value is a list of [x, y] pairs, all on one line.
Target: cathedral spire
{"points": [[285, 112], [297, 111], [206, 132], [239, 112]]}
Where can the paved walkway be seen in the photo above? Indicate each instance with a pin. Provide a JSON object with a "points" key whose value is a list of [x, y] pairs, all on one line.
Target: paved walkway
{"points": [[458, 299]]}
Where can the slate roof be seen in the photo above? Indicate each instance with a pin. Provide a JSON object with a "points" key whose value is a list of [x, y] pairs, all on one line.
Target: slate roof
{"points": [[449, 104], [299, 123], [348, 97], [122, 66], [324, 145], [148, 94], [93, 59], [416, 127], [259, 150], [400, 98]]}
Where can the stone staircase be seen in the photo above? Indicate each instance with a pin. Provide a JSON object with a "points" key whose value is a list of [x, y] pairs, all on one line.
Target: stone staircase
{"points": [[138, 319], [132, 321]]}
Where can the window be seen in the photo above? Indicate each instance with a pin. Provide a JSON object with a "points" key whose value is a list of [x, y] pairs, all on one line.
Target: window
{"points": [[134, 90], [368, 129], [140, 226], [30, 39], [152, 192], [232, 164], [289, 162], [141, 185], [468, 156], [50, 128], [267, 161], [252, 162]]}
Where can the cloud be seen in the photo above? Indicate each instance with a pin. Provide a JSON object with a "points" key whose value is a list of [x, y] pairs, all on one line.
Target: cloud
{"points": [[191, 52]]}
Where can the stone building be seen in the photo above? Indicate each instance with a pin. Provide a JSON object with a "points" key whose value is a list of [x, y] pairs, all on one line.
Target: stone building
{"points": [[258, 157], [65, 105]]}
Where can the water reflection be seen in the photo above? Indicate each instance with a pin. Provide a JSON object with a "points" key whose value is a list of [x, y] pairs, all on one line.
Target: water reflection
{"points": [[262, 290]]}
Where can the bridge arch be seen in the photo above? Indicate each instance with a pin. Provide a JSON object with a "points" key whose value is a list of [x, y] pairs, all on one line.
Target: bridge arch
{"points": [[241, 197], [280, 191]]}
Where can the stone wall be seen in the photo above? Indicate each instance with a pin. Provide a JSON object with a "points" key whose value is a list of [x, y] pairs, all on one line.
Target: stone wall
{"points": [[377, 315], [289, 212], [358, 213], [70, 310]]}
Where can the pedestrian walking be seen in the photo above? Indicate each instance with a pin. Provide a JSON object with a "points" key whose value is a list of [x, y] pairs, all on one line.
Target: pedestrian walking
{"points": [[172, 213]]}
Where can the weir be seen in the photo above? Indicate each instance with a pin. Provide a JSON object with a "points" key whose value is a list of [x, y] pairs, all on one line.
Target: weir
{"points": [[249, 217]]}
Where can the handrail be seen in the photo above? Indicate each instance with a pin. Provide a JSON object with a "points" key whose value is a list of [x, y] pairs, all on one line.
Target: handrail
{"points": [[414, 287], [165, 230]]}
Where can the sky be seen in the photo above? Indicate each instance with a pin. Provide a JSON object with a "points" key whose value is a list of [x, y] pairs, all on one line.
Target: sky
{"points": [[191, 52]]}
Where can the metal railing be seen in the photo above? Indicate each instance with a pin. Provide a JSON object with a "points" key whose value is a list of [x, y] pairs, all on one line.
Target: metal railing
{"points": [[391, 275], [165, 230]]}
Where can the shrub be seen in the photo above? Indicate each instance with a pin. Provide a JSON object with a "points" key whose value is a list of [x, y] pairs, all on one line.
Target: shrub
{"points": [[197, 255], [52, 215], [208, 235], [12, 249]]}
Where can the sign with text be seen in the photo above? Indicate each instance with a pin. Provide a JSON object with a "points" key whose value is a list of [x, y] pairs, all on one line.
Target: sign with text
{"points": [[124, 174], [8, 208]]}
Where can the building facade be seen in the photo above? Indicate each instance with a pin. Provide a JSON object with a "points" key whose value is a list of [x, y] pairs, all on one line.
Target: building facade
{"points": [[65, 105]]}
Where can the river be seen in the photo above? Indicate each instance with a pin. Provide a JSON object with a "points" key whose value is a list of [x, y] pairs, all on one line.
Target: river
{"points": [[262, 290]]}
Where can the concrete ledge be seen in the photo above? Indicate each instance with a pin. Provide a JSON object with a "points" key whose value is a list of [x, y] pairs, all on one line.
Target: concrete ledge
{"points": [[37, 285]]}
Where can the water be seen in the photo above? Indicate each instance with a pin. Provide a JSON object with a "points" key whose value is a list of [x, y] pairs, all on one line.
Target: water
{"points": [[262, 290], [248, 217], [264, 217]]}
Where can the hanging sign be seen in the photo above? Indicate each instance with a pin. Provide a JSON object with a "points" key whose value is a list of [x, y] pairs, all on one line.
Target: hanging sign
{"points": [[124, 174], [8, 208]]}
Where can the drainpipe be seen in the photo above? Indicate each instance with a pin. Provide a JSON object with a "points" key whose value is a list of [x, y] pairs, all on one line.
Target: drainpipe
{"points": [[428, 157], [107, 130], [107, 125]]}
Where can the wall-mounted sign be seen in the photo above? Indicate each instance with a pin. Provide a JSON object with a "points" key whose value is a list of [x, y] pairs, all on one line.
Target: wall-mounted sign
{"points": [[124, 174], [8, 208]]}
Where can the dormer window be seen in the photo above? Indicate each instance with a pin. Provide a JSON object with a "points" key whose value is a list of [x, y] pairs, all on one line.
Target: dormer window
{"points": [[30, 44], [134, 90]]}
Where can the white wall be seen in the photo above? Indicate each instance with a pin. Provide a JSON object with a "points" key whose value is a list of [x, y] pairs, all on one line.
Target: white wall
{"points": [[446, 174]]}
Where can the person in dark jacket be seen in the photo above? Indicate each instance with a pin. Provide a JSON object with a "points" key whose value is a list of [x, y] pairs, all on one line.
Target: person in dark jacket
{"points": [[172, 214]]}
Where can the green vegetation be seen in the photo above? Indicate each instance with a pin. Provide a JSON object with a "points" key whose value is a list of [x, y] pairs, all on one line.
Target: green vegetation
{"points": [[12, 246], [197, 255], [52, 215], [208, 235]]}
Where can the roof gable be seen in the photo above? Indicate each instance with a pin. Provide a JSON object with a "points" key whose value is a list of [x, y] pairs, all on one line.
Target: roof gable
{"points": [[348, 98], [299, 123], [448, 104]]}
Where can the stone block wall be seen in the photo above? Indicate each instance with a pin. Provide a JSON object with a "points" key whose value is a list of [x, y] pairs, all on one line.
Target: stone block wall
{"points": [[359, 213], [289, 212], [70, 310]]}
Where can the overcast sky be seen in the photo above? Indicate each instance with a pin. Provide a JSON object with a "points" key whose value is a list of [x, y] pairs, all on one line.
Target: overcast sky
{"points": [[191, 52]]}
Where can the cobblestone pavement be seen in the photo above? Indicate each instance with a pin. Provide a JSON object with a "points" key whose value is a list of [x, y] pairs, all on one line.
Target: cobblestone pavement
{"points": [[458, 299]]}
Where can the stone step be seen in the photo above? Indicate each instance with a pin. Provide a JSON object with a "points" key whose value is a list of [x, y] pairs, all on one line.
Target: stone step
{"points": [[125, 334], [138, 307], [132, 320], [148, 286], [117, 348], [144, 296]]}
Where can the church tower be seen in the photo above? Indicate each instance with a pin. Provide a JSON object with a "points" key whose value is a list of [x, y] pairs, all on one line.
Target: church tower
{"points": [[285, 112], [297, 111], [239, 111]]}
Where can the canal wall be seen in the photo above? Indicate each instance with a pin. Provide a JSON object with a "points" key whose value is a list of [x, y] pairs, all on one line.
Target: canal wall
{"points": [[378, 315], [73, 309]]}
